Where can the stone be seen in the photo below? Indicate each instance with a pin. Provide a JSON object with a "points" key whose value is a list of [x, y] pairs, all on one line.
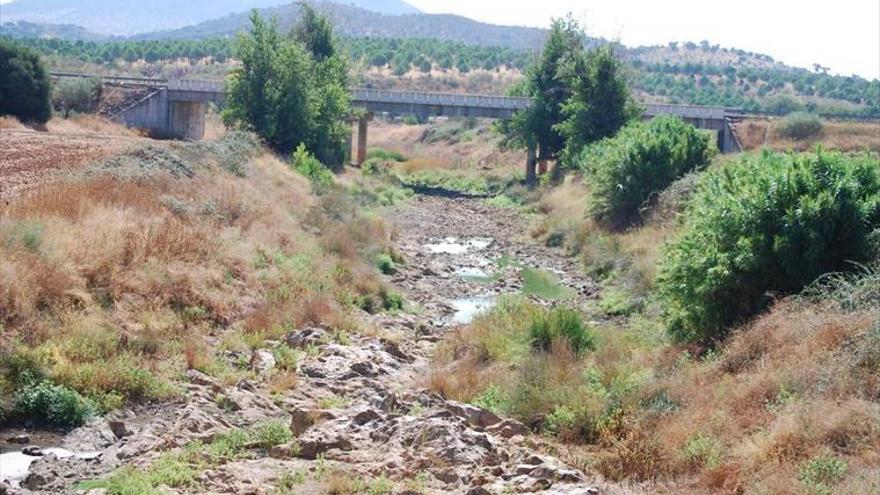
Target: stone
{"points": [[365, 416], [262, 362], [284, 451], [32, 450], [508, 428], [120, 429], [301, 420], [478, 490], [198, 378], [311, 449], [448, 476], [476, 416], [306, 337], [19, 439]]}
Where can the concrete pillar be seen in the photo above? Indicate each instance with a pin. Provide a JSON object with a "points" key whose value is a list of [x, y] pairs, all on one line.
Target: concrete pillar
{"points": [[531, 158], [362, 141], [187, 119]]}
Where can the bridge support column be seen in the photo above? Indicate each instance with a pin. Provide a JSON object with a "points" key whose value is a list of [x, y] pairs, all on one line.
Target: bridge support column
{"points": [[531, 161], [187, 120], [359, 155]]}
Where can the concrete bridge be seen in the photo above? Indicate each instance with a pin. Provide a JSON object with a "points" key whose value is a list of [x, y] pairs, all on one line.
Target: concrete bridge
{"points": [[177, 108]]}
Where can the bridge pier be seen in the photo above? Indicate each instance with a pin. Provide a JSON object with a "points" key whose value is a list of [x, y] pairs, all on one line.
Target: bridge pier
{"points": [[187, 119], [359, 154], [531, 162]]}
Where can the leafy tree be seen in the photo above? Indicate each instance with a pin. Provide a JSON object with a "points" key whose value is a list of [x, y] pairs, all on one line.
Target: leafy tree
{"points": [[24, 84], [292, 91], [600, 103]]}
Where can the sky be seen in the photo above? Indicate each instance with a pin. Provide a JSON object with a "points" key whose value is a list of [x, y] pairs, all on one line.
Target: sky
{"points": [[843, 35]]}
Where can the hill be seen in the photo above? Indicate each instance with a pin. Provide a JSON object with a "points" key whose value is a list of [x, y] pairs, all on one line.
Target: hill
{"points": [[354, 22], [127, 17]]}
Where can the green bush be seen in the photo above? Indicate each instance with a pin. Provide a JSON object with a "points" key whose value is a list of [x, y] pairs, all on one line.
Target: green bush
{"points": [[385, 155], [77, 95], [309, 167], [24, 84], [800, 126], [820, 473], [53, 404], [560, 323], [770, 224], [628, 170]]}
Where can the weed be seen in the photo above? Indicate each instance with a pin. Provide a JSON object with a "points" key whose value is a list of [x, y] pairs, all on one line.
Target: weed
{"points": [[270, 434], [53, 404], [820, 473], [544, 285], [560, 323]]}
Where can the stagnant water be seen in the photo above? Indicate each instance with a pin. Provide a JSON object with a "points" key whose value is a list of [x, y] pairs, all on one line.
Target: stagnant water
{"points": [[453, 245], [14, 465]]}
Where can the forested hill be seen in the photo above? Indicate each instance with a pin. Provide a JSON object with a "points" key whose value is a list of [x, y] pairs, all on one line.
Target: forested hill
{"points": [[128, 17], [354, 22]]}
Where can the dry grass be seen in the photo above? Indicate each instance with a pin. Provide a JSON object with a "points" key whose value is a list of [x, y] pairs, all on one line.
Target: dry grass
{"points": [[7, 122], [837, 134], [150, 263]]}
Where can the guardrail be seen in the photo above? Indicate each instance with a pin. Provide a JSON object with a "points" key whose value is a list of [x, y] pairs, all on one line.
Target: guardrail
{"points": [[444, 99]]}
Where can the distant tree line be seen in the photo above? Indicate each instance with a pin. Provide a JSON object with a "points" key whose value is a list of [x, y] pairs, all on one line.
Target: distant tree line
{"points": [[774, 89]]}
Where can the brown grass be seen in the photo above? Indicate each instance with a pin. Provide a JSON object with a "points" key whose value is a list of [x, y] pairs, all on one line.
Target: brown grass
{"points": [[160, 262], [841, 135]]}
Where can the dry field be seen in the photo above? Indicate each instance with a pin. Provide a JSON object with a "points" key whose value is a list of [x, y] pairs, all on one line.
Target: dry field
{"points": [[842, 135], [29, 157]]}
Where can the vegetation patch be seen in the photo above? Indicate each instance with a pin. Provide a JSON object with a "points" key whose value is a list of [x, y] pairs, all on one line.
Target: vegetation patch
{"points": [[770, 223]]}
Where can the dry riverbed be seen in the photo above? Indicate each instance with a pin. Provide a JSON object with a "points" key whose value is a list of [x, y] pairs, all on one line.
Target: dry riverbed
{"points": [[360, 413]]}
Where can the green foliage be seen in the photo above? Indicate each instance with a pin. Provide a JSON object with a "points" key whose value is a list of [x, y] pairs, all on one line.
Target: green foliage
{"points": [[801, 126], [771, 223], [311, 168], [270, 434], [77, 95], [385, 263], [24, 84], [628, 170], [491, 399], [560, 323], [44, 401], [820, 473], [291, 91], [600, 103], [544, 285], [385, 155], [703, 451]]}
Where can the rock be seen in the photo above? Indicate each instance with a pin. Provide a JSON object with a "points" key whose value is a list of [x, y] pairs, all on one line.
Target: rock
{"points": [[284, 451], [19, 439], [262, 362], [365, 416], [307, 337], [394, 349], [448, 476], [301, 420], [478, 490], [34, 481], [120, 429], [476, 416], [199, 378], [32, 450], [508, 428], [531, 485], [310, 449]]}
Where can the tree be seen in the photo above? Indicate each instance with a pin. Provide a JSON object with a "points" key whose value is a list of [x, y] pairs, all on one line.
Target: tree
{"points": [[24, 84], [600, 103], [550, 88], [293, 90]]}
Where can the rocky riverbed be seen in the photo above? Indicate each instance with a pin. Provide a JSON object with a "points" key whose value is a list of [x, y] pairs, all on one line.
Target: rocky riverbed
{"points": [[360, 406]]}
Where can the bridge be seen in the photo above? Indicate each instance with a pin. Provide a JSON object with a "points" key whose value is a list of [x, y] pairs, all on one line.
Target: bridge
{"points": [[177, 108]]}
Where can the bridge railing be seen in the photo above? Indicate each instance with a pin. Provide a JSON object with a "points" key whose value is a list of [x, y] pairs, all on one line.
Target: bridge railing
{"points": [[197, 85], [444, 99]]}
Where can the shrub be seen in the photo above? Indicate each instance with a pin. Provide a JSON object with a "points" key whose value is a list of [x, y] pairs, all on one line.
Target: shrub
{"points": [[24, 84], [560, 323], [640, 162], [770, 223], [77, 95], [312, 169], [53, 404], [821, 472], [800, 126], [385, 155]]}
